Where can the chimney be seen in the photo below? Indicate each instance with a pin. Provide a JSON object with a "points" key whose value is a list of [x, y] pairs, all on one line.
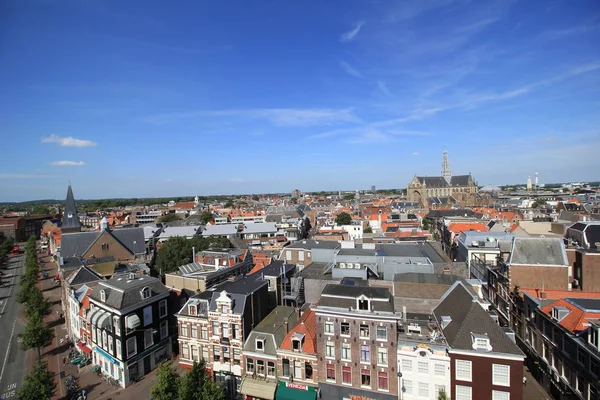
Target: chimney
{"points": [[286, 325], [543, 295]]}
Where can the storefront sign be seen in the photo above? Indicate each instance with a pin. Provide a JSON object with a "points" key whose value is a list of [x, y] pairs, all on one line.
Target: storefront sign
{"points": [[292, 385]]}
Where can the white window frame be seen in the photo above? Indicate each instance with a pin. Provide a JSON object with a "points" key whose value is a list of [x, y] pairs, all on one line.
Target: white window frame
{"points": [[117, 325], [439, 370], [346, 351], [185, 351], [461, 373], [329, 328], [466, 395], [119, 350], [129, 342], [111, 349], [160, 309], [146, 344], [378, 330], [262, 345], [500, 395], [164, 325], [382, 356], [406, 365], [329, 349], [498, 376], [422, 367], [423, 389]]}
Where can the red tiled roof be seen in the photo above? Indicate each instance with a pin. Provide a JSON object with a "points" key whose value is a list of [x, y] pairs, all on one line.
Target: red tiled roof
{"points": [[575, 319], [307, 327], [85, 303], [561, 294], [185, 205], [460, 227], [513, 227]]}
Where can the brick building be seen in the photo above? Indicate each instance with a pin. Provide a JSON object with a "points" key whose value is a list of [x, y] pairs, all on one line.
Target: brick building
{"points": [[356, 335]]}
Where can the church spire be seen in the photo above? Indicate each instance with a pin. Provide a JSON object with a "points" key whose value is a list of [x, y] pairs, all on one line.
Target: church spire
{"points": [[70, 221], [446, 172]]}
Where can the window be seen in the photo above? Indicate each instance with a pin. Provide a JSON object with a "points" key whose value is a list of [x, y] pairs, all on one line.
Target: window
{"points": [[329, 327], [330, 372], [463, 370], [131, 347], [365, 353], [104, 246], [297, 369], [234, 330], [346, 374], [346, 351], [345, 328], [249, 365], [215, 328], [237, 356], [226, 354], [147, 315], [110, 345], [216, 353], [185, 351], [148, 338], [463, 392], [406, 365], [364, 331], [270, 368], [260, 367], [119, 351], [422, 367], [146, 293], [381, 333], [329, 349], [164, 329], [365, 377], [382, 356], [103, 295], [501, 374], [581, 356], [579, 384], [104, 339], [308, 370], [498, 395], [225, 330], [195, 353], [260, 345], [382, 379], [439, 370], [204, 332], [407, 385], [184, 331], [162, 309], [286, 367], [205, 353], [363, 305], [423, 389], [192, 310], [117, 325]]}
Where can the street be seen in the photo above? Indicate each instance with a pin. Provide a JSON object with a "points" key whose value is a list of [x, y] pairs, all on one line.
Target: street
{"points": [[12, 358]]}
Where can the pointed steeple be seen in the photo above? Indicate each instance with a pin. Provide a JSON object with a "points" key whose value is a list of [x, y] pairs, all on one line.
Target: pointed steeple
{"points": [[70, 221], [446, 171]]}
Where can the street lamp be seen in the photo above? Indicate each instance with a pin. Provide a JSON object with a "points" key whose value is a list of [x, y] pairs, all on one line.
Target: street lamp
{"points": [[400, 387]]}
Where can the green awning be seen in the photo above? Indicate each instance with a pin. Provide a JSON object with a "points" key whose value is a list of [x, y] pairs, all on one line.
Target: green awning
{"points": [[286, 393]]}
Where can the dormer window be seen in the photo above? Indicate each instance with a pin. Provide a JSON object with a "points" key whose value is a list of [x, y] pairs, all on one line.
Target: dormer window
{"points": [[594, 336], [146, 293], [558, 313], [192, 310], [103, 295], [480, 342], [297, 340], [260, 344], [363, 304]]}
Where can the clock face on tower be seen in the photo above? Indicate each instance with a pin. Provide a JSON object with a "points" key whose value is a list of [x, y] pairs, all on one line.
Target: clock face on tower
{"points": [[70, 215]]}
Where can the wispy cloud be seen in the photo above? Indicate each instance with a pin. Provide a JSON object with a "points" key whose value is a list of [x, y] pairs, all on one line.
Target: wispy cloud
{"points": [[416, 154], [236, 180], [351, 34], [563, 33], [68, 141], [350, 70], [22, 176], [382, 87], [276, 116], [68, 163]]}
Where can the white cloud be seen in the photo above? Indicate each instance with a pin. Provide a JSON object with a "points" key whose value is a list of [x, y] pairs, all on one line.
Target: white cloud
{"points": [[561, 33], [277, 116], [351, 34], [68, 163], [416, 154], [350, 70], [236, 180], [68, 141]]}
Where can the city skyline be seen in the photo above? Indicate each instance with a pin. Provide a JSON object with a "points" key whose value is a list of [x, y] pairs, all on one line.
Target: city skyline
{"points": [[216, 99]]}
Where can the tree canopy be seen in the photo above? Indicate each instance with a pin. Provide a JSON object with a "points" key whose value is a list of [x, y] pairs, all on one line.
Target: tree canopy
{"points": [[343, 218], [169, 218], [206, 217], [36, 334], [39, 384], [350, 196], [177, 251], [197, 384], [167, 383], [368, 229]]}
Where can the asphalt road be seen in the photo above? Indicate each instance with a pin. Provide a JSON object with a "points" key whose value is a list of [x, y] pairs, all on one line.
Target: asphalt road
{"points": [[12, 358]]}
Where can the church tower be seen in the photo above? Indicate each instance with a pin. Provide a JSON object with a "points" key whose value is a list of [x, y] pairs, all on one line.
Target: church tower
{"points": [[446, 172], [70, 220]]}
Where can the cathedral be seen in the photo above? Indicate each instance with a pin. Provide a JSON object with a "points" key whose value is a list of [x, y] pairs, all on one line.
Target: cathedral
{"points": [[444, 190]]}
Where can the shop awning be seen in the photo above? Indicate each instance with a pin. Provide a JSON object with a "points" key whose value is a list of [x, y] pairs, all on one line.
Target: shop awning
{"points": [[303, 392], [94, 320], [84, 348], [92, 313], [133, 321], [258, 388], [104, 321]]}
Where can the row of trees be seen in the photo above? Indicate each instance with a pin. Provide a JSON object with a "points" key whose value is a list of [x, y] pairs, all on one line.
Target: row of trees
{"points": [[178, 251], [196, 384], [39, 383]]}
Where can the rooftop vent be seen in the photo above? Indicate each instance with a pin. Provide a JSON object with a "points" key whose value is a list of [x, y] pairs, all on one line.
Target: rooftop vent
{"points": [[446, 321]]}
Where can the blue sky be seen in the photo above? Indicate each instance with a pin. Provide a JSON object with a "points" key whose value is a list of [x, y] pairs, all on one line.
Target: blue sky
{"points": [[138, 99]]}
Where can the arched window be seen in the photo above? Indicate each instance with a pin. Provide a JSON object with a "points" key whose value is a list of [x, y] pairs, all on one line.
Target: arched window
{"points": [[146, 293]]}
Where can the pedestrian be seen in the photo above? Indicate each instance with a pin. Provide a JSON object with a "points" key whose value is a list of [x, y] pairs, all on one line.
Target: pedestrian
{"points": [[524, 381]]}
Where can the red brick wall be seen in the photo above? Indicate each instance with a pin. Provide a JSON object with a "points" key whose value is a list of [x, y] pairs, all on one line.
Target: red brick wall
{"points": [[591, 271], [530, 276]]}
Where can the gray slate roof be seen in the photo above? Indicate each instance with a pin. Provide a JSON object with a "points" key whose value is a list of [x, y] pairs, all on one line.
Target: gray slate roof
{"points": [[542, 251], [314, 244], [76, 244], [432, 279], [122, 292], [345, 297], [469, 317], [70, 217], [238, 302], [272, 329], [83, 275]]}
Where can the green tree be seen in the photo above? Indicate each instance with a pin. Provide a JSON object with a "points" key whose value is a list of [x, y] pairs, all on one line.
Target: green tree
{"points": [[294, 200], [27, 285], [368, 229], [39, 210], [39, 384], [343, 218], [229, 204], [37, 303], [169, 218], [442, 395], [426, 224], [207, 217], [167, 383], [350, 196], [197, 384], [36, 335], [255, 197], [177, 251]]}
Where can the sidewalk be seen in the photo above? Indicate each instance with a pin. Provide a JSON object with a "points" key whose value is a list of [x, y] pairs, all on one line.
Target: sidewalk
{"points": [[533, 390]]}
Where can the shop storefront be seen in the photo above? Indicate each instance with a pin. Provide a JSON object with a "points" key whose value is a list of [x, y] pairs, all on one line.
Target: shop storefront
{"points": [[110, 365], [257, 389], [327, 391], [295, 391]]}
